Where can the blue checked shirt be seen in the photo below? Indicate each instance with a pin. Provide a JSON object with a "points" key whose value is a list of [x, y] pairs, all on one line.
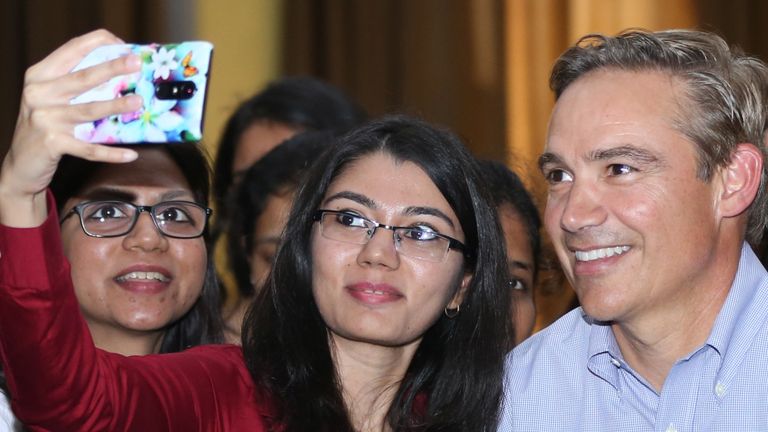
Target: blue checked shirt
{"points": [[571, 376]]}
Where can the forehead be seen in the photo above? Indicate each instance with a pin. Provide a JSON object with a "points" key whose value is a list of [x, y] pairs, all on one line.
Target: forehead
{"points": [[516, 234], [154, 168], [610, 108], [257, 140], [387, 180]]}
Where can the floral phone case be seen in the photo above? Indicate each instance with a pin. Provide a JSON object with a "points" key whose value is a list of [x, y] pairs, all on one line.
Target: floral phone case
{"points": [[173, 82]]}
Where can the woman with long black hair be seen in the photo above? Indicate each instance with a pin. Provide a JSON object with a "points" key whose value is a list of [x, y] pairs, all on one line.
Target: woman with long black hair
{"points": [[385, 310]]}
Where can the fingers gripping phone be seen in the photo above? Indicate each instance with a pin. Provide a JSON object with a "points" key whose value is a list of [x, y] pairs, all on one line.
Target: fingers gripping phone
{"points": [[173, 83]]}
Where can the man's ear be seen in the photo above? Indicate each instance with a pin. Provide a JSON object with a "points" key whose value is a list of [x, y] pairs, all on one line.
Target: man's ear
{"points": [[740, 180]]}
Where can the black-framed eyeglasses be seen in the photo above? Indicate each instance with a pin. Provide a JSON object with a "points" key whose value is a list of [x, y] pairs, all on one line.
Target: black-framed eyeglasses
{"points": [[177, 219], [415, 242]]}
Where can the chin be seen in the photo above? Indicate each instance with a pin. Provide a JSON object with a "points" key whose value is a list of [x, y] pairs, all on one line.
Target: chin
{"points": [[601, 311], [145, 325]]}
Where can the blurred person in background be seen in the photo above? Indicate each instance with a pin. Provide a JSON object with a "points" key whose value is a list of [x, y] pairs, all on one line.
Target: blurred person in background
{"points": [[521, 223]]}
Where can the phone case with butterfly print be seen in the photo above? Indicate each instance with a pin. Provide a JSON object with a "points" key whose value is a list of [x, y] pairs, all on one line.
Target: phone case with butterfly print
{"points": [[173, 83]]}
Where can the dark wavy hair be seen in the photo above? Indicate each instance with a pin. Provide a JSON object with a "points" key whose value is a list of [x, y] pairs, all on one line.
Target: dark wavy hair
{"points": [[506, 188], [454, 381], [202, 324], [305, 103], [280, 169]]}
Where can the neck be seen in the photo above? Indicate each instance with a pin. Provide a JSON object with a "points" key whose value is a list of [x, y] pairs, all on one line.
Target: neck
{"points": [[652, 344], [123, 341], [370, 377]]}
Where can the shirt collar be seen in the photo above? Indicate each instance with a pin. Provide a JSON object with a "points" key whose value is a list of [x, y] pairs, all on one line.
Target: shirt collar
{"points": [[603, 352], [736, 325], [744, 310]]}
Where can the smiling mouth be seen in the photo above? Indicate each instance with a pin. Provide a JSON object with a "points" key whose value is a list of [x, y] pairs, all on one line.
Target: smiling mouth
{"points": [[142, 276], [376, 292], [596, 254]]}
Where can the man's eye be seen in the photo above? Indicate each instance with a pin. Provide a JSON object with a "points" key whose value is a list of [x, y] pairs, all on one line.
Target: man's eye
{"points": [[619, 169], [558, 176], [351, 220]]}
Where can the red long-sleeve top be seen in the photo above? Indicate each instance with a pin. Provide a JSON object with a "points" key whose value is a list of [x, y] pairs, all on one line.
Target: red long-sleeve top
{"points": [[60, 381]]}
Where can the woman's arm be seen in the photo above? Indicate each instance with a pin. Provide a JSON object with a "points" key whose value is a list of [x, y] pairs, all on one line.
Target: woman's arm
{"points": [[58, 380]]}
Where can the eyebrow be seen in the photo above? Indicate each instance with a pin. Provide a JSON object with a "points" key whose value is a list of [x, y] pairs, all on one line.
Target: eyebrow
{"points": [[625, 151], [104, 193], [521, 265], [266, 240], [548, 159], [352, 196], [430, 211], [371, 204], [107, 193]]}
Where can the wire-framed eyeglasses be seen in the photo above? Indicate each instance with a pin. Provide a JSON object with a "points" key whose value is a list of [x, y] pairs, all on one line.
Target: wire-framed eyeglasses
{"points": [[414, 241], [177, 219]]}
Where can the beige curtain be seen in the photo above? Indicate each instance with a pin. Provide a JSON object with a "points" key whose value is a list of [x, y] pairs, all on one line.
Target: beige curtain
{"points": [[438, 59]]}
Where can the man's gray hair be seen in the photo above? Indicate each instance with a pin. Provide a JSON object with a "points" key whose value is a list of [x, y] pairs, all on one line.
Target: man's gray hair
{"points": [[727, 91]]}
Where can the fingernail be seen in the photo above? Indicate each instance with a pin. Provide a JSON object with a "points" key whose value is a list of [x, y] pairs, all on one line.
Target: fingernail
{"points": [[129, 155]]}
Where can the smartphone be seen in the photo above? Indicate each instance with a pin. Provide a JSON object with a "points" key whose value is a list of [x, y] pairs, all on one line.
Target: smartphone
{"points": [[173, 83]]}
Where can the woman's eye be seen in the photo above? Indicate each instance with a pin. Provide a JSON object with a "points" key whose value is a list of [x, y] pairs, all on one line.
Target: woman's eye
{"points": [[107, 211], [267, 257], [350, 220], [619, 169], [516, 285], [420, 234], [558, 176], [173, 214]]}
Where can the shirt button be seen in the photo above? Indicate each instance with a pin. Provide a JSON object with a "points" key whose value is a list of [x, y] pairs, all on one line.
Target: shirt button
{"points": [[671, 428], [719, 389], [615, 362]]}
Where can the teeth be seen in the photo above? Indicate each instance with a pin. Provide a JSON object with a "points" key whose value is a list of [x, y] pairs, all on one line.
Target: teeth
{"points": [[374, 292], [600, 253], [137, 275]]}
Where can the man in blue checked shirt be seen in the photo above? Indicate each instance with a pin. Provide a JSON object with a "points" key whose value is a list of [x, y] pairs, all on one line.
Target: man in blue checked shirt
{"points": [[655, 165]]}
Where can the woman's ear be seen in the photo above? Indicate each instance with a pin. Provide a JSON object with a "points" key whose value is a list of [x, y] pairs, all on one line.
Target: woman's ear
{"points": [[740, 180], [458, 298]]}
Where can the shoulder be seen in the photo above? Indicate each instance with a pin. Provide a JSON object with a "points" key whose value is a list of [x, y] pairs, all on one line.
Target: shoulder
{"points": [[215, 376], [545, 375], [546, 357], [219, 365], [569, 333]]}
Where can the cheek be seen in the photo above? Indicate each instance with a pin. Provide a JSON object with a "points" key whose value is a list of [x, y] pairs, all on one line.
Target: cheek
{"points": [[552, 214], [524, 317], [260, 268], [329, 259], [524, 311], [89, 257], [437, 284], [639, 204], [191, 263]]}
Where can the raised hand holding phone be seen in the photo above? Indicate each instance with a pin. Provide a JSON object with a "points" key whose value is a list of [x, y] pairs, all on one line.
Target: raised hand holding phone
{"points": [[44, 129]]}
